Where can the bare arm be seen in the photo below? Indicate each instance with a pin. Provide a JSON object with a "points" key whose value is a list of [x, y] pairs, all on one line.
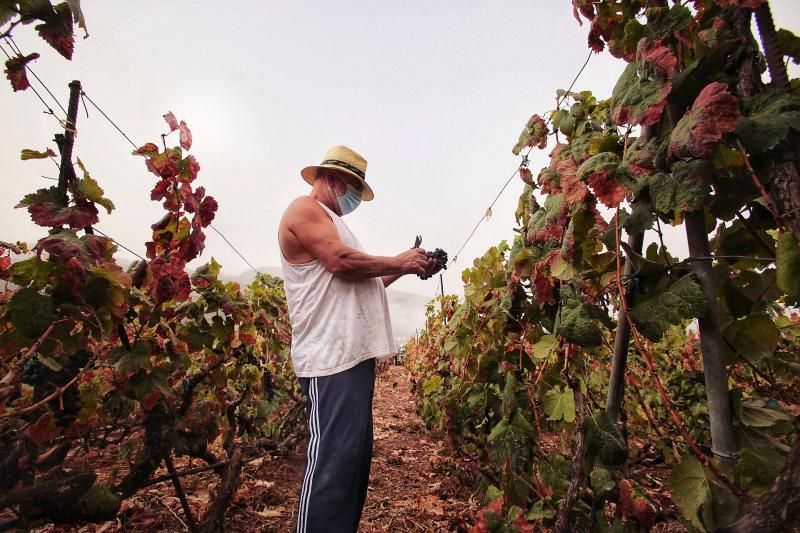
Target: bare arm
{"points": [[317, 234]]}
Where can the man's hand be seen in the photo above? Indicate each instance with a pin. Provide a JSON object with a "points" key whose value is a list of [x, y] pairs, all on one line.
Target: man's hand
{"points": [[414, 261]]}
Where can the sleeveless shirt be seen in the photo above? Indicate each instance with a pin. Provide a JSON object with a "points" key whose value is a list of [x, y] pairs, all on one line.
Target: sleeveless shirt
{"points": [[336, 323]]}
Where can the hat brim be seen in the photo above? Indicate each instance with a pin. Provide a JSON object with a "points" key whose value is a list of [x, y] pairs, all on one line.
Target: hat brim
{"points": [[309, 174]]}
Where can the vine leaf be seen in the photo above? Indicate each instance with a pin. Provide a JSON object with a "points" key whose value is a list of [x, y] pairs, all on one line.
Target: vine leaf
{"points": [[685, 189], [789, 44], [186, 136], [171, 121], [57, 30], [701, 498], [576, 321], [534, 134], [560, 404], [16, 72], [44, 429], [91, 190], [27, 153], [47, 208], [511, 440], [713, 114], [31, 312], [605, 444], [600, 172], [669, 306], [127, 363], [635, 504], [769, 117], [754, 337], [640, 95]]}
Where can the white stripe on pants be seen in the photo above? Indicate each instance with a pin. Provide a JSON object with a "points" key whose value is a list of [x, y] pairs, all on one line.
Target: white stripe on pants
{"points": [[313, 448]]}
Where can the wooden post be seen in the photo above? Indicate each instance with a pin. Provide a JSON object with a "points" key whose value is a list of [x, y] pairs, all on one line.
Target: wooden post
{"points": [[66, 141], [785, 179], [773, 53]]}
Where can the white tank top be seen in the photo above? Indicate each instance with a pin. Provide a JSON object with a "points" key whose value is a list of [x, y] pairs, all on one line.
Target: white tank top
{"points": [[336, 323]]}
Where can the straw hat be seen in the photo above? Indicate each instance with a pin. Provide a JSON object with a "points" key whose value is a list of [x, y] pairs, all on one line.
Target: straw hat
{"points": [[350, 164]]}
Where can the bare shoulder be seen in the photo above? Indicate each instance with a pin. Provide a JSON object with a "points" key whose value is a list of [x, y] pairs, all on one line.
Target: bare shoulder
{"points": [[303, 209]]}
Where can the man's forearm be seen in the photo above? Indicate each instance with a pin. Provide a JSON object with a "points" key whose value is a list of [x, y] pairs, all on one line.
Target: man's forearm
{"points": [[355, 265]]}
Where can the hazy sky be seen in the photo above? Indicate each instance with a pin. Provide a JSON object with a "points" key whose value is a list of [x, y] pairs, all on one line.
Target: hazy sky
{"points": [[433, 94]]}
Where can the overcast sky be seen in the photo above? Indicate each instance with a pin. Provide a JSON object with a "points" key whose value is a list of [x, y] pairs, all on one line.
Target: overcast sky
{"points": [[433, 94]]}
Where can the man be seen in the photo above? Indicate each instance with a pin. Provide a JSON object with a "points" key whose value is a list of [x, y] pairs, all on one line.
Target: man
{"points": [[340, 324]]}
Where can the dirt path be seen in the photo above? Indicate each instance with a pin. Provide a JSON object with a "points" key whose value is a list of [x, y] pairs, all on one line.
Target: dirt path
{"points": [[413, 485]]}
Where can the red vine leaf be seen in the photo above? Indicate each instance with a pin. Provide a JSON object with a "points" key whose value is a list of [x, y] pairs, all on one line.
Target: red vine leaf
{"points": [[44, 429], [526, 175], [189, 169], [640, 95], [47, 207], [713, 114], [608, 190], [534, 134], [633, 503], [148, 149], [495, 507], [207, 210], [186, 136], [658, 55], [16, 72], [171, 121], [599, 171], [574, 190], [57, 30]]}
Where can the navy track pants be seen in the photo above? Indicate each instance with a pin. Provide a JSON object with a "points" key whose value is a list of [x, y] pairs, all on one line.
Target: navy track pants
{"points": [[339, 450]]}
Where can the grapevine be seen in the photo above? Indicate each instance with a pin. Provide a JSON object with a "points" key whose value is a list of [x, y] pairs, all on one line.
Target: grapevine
{"points": [[682, 141], [158, 359]]}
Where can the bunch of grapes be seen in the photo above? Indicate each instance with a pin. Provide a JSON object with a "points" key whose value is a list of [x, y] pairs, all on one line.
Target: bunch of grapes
{"points": [[268, 385], [66, 408], [35, 373], [440, 256], [45, 379]]}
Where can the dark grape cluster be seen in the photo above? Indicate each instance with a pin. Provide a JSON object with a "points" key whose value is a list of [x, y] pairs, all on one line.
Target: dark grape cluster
{"points": [[440, 256], [45, 379], [268, 385], [67, 407], [35, 373]]}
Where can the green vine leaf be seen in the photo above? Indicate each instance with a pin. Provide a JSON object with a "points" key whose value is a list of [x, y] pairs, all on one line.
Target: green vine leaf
{"points": [[669, 306], [31, 312], [701, 498], [605, 444], [560, 404]]}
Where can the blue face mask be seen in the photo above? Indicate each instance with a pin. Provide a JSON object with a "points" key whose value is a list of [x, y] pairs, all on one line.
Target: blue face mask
{"points": [[349, 200]]}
